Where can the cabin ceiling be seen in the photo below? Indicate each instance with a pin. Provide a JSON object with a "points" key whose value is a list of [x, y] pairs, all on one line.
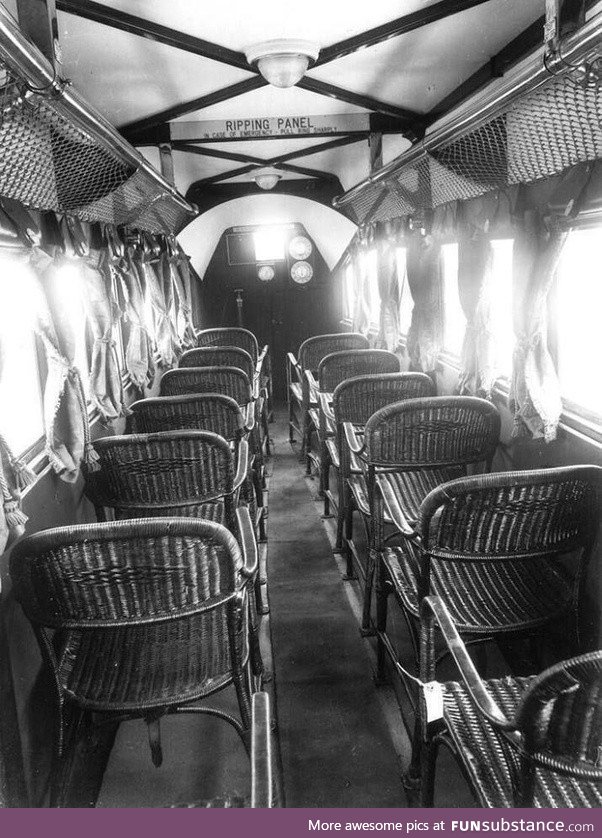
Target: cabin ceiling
{"points": [[130, 78]]}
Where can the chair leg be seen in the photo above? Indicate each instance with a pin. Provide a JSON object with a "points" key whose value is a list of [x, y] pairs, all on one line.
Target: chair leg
{"points": [[341, 511], [291, 416], [325, 479], [382, 602], [366, 629], [154, 739], [430, 751]]}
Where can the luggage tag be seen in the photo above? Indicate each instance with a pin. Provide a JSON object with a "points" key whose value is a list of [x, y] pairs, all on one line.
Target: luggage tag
{"points": [[433, 700]]}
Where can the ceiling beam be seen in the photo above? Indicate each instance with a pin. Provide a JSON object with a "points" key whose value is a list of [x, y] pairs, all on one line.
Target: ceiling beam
{"points": [[140, 125], [396, 27], [247, 158], [303, 170], [414, 120], [153, 32]]}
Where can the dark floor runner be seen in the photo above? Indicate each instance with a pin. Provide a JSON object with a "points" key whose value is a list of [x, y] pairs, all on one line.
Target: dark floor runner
{"points": [[336, 749]]}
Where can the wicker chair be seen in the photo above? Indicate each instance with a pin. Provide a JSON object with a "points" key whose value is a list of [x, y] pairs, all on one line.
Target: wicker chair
{"points": [[410, 448], [230, 381], [232, 356], [355, 400], [244, 339], [137, 619], [521, 742], [210, 412], [310, 354], [184, 473], [332, 370]]}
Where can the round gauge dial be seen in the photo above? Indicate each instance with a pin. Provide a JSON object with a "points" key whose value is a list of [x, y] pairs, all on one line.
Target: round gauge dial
{"points": [[265, 273], [300, 247], [302, 272]]}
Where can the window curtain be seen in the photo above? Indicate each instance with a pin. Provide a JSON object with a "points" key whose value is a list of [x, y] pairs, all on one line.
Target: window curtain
{"points": [[138, 350], [180, 269], [425, 280], [149, 265], [478, 364], [541, 229], [166, 274], [102, 313], [14, 476], [361, 314], [390, 284]]}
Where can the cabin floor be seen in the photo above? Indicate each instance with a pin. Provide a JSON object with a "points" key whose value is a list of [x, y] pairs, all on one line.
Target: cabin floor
{"points": [[341, 739]]}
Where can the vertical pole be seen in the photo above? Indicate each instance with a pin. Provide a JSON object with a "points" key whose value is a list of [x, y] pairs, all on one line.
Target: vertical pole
{"points": [[37, 19], [375, 146], [166, 161], [239, 319]]}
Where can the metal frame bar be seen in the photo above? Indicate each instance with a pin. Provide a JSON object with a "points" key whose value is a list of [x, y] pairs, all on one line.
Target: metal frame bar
{"points": [[324, 88], [26, 61], [482, 108]]}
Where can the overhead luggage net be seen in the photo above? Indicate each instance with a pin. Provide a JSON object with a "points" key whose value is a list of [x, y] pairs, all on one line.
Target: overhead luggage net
{"points": [[49, 161], [539, 134]]}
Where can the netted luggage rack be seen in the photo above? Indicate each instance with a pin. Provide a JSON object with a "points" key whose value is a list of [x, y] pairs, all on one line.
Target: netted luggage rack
{"points": [[57, 153], [550, 121]]}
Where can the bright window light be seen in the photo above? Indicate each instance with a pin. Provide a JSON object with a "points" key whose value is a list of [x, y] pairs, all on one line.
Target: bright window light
{"points": [[349, 290], [69, 281], [269, 244], [21, 421], [407, 303], [501, 303], [371, 272], [455, 321], [578, 319]]}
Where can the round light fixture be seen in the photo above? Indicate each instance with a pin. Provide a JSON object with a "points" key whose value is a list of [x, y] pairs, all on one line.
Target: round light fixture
{"points": [[283, 62], [302, 272], [265, 273], [266, 178], [299, 247]]}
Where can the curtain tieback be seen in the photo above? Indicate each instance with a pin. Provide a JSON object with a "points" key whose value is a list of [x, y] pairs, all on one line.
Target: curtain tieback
{"points": [[526, 342], [108, 341]]}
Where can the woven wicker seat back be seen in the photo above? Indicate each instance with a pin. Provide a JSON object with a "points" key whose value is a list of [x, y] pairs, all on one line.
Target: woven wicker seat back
{"points": [[145, 474], [314, 349], [123, 571], [458, 430], [338, 366], [233, 336], [208, 412], [218, 356], [560, 715], [230, 381], [522, 513], [356, 399]]}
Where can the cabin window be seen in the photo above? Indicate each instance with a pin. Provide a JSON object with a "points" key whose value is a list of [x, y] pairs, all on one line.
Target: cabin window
{"points": [[21, 420], [455, 321], [371, 258], [501, 304], [579, 336], [269, 244]]}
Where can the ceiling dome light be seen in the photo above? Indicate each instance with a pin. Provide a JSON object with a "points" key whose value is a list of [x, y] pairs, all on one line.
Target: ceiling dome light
{"points": [[283, 62], [266, 178]]}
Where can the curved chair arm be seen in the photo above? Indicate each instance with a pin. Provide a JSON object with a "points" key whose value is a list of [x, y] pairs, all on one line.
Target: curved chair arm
{"points": [[352, 440], [394, 510], [326, 406], [248, 544], [293, 364], [314, 390], [263, 764], [242, 467], [434, 611], [249, 417]]}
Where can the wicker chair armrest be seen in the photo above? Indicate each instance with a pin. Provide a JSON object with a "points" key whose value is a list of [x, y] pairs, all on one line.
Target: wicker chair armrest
{"points": [[326, 406], [293, 364], [352, 440], [394, 511], [249, 417], [314, 390], [248, 544], [434, 611], [262, 759], [242, 467]]}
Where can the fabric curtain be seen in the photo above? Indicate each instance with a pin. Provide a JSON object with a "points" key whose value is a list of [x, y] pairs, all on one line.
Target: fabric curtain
{"points": [[425, 280], [361, 314], [149, 266], [14, 476], [478, 360], [180, 268], [541, 215], [166, 274], [535, 396], [65, 409], [390, 284]]}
